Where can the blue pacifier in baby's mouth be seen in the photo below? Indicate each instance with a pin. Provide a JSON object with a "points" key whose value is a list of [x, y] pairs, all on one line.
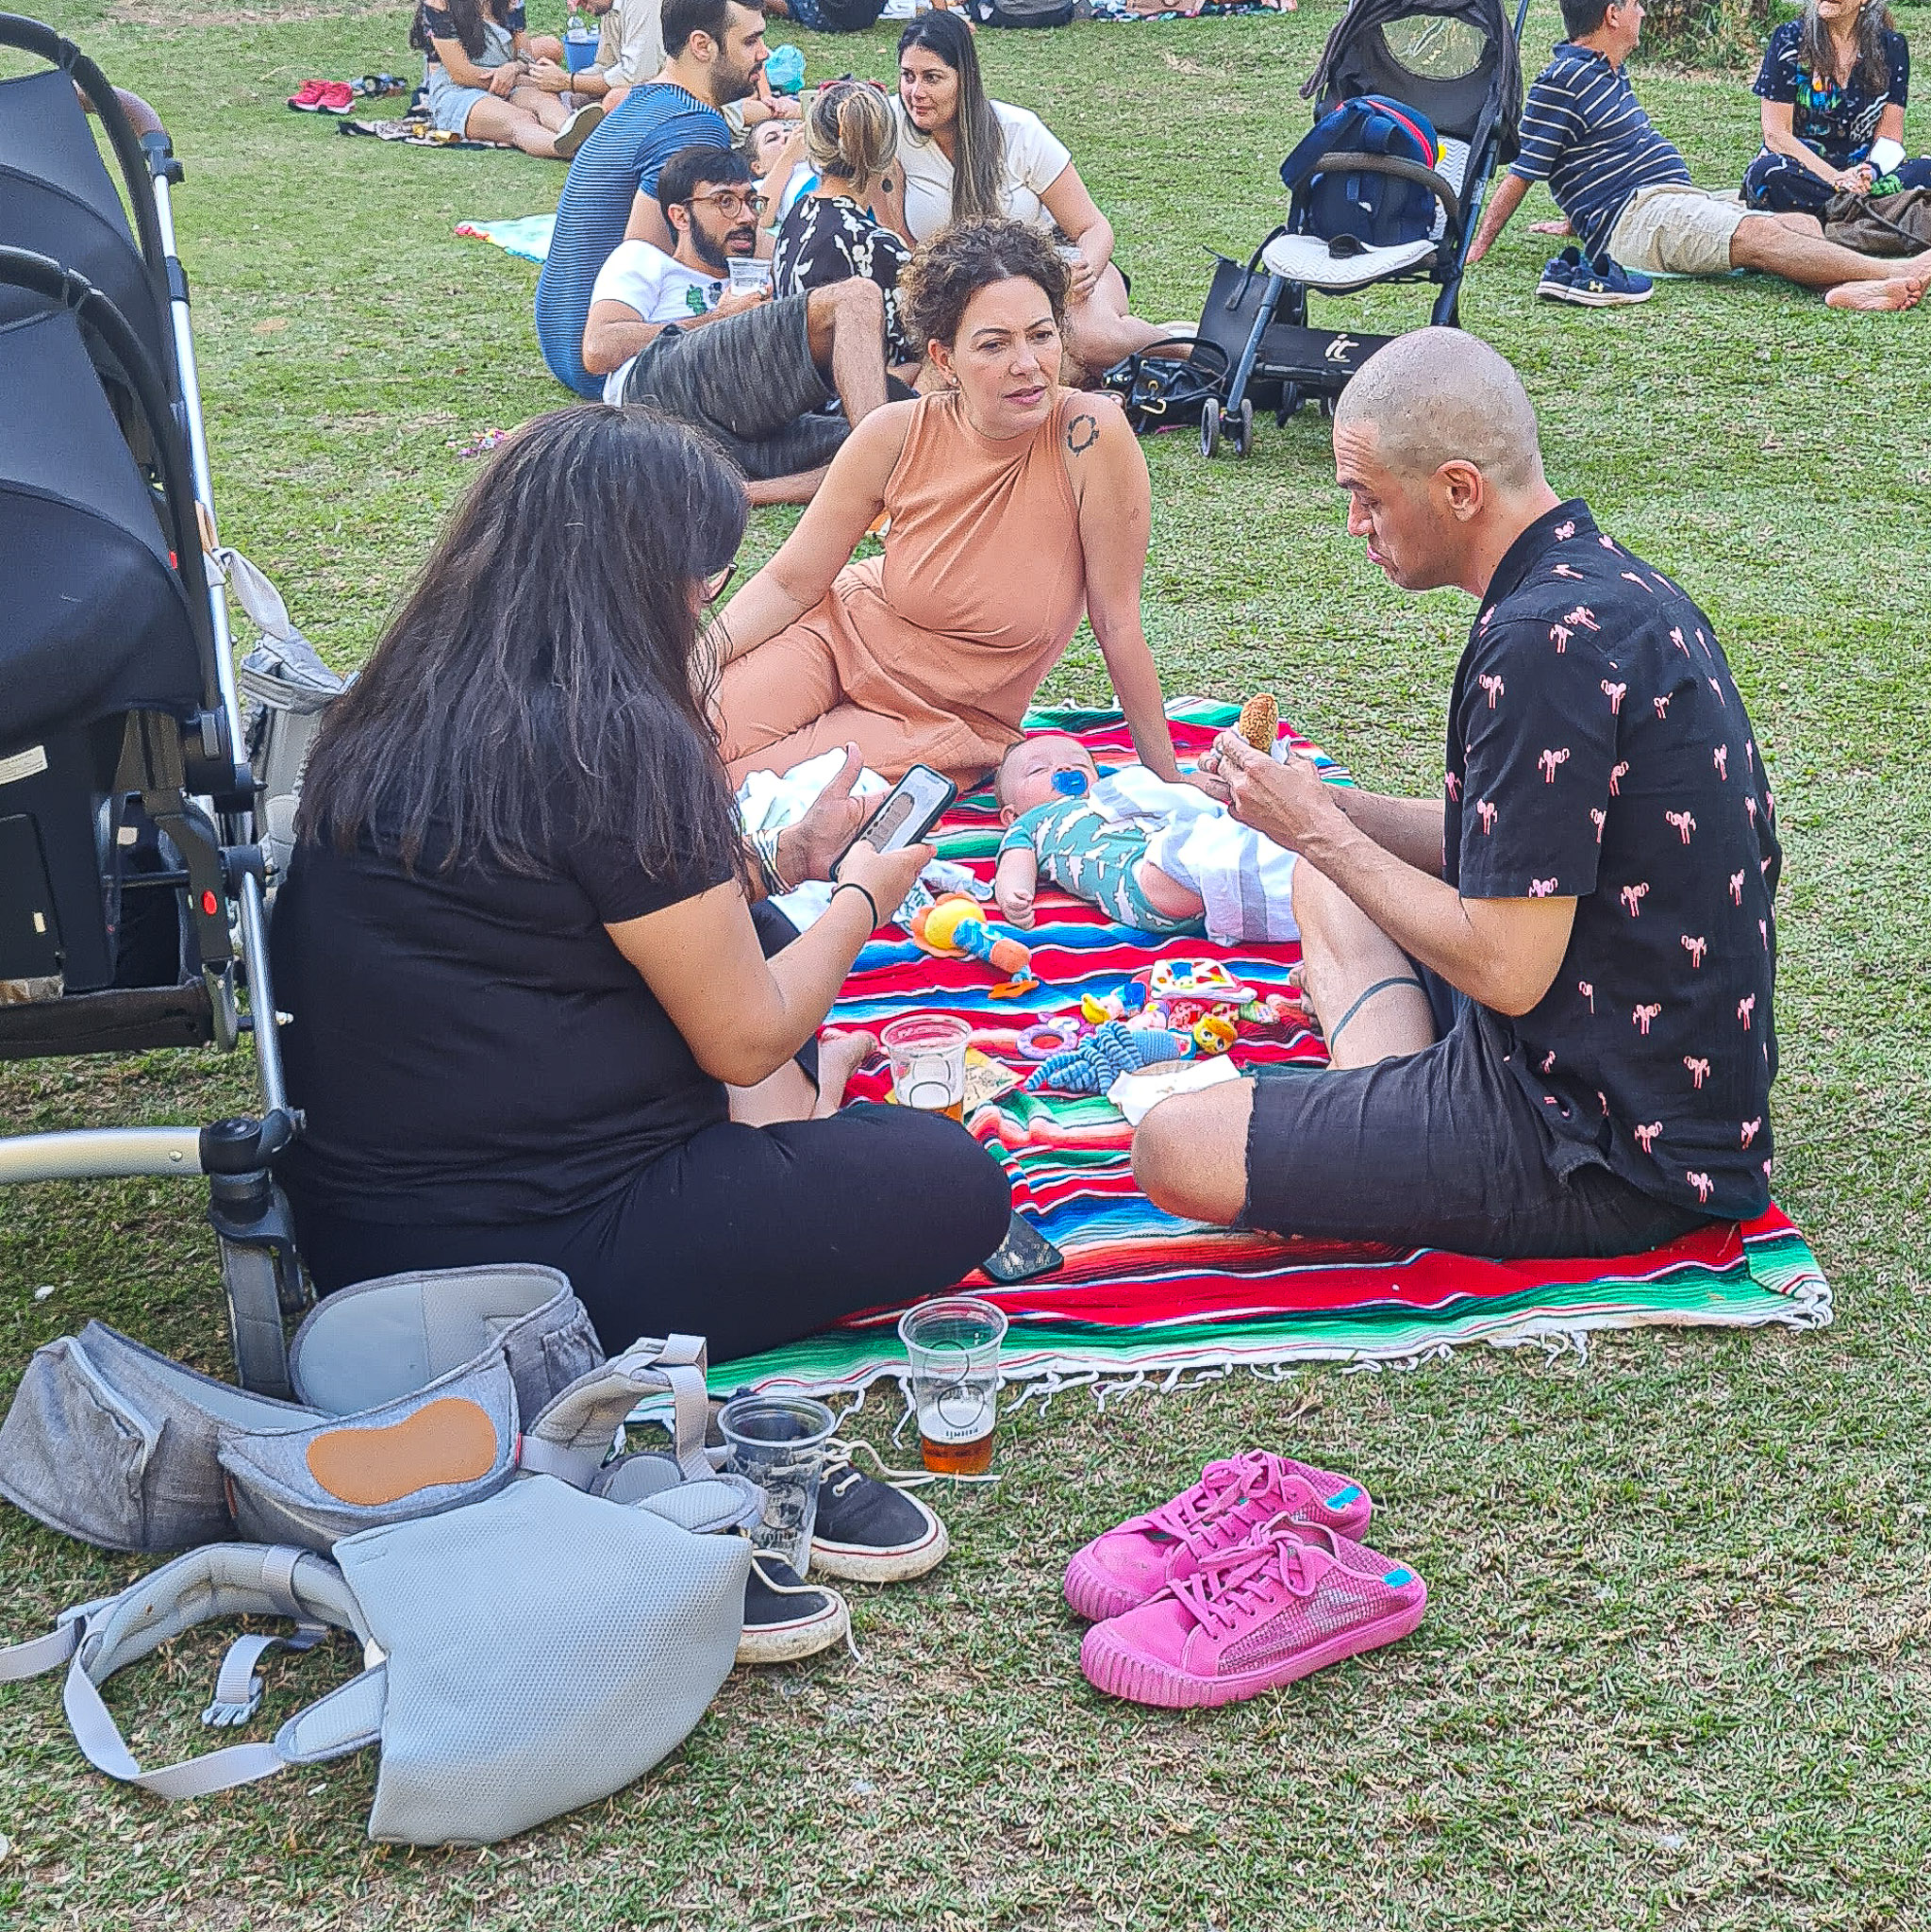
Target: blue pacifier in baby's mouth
{"points": [[1070, 784]]}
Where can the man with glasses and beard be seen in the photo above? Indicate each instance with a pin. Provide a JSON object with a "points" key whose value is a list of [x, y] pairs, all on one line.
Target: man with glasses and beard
{"points": [[754, 374], [714, 54]]}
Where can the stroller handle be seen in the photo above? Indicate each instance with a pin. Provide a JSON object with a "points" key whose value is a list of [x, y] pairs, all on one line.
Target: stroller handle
{"points": [[40, 274], [37, 38]]}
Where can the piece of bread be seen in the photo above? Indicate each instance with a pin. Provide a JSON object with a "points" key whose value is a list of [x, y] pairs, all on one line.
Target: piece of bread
{"points": [[1260, 721]]}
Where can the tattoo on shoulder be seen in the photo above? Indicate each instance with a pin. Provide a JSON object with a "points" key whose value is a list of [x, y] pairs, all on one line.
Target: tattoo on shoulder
{"points": [[1082, 433]]}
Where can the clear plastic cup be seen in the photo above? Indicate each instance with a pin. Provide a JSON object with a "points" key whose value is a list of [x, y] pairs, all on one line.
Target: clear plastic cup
{"points": [[748, 272], [952, 1346], [928, 1068], [778, 1442]]}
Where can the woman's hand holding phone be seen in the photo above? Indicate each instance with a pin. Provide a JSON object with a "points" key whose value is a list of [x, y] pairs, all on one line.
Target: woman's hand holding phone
{"points": [[887, 875]]}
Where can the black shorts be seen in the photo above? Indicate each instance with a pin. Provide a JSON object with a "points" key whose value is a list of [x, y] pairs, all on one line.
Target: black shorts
{"points": [[749, 383], [1442, 1149]]}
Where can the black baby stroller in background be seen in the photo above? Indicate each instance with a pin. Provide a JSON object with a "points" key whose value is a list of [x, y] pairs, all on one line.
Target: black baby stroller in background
{"points": [[1457, 61], [132, 889]]}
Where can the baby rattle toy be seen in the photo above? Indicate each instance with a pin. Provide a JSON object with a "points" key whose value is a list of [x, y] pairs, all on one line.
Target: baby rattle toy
{"points": [[956, 927]]}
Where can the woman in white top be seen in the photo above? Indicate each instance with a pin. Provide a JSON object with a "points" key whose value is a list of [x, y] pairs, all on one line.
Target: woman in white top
{"points": [[964, 158]]}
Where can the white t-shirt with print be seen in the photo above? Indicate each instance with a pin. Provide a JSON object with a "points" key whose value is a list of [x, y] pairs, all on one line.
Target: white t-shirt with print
{"points": [[659, 287], [1035, 159]]}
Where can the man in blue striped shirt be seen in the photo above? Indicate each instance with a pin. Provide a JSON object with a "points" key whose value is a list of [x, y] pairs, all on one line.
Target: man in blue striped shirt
{"points": [[714, 52], [1627, 191]]}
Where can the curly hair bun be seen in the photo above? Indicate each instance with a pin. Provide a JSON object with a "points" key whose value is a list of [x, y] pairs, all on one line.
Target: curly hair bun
{"points": [[945, 272]]}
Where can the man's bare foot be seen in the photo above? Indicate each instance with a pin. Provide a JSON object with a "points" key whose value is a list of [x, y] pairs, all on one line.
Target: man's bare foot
{"points": [[1899, 292], [1560, 228], [840, 1055]]}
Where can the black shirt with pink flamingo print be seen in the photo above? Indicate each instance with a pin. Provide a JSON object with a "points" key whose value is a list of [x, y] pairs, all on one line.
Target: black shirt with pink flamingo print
{"points": [[1598, 749]]}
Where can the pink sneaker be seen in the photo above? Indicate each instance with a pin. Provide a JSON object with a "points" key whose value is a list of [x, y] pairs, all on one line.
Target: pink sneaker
{"points": [[1232, 1499], [1251, 1619]]}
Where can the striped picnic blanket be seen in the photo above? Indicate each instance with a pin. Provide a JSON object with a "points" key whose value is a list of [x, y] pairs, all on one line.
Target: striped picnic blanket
{"points": [[1142, 1293]]}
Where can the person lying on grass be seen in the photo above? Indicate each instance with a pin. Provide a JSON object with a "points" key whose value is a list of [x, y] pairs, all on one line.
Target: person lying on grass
{"points": [[753, 373], [1547, 990], [1134, 847], [1627, 193], [477, 62]]}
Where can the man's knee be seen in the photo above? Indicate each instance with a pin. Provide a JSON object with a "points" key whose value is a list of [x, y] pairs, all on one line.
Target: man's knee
{"points": [[852, 303], [1189, 1154]]}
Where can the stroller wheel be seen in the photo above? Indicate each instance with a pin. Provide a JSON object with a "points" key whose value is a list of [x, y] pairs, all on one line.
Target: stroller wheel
{"points": [[1210, 428], [1290, 401], [1243, 431]]}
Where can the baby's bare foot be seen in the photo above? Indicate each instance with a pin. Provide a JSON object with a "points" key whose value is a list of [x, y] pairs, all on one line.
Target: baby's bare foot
{"points": [[840, 1055], [1899, 292]]}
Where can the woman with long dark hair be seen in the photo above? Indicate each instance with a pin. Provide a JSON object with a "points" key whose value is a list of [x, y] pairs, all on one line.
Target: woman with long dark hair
{"points": [[965, 156], [478, 61], [517, 942], [1834, 84]]}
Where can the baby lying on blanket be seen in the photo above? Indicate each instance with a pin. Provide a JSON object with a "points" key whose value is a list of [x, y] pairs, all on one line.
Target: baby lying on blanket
{"points": [[1159, 858]]}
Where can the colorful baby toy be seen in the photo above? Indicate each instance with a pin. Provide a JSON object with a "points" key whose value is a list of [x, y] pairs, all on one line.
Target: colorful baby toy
{"points": [[1102, 1056], [956, 927]]}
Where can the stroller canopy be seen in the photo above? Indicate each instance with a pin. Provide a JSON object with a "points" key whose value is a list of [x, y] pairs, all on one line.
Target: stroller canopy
{"points": [[97, 622], [1448, 58], [57, 199]]}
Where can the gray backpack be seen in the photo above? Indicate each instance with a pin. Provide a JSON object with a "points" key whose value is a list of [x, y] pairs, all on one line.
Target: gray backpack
{"points": [[527, 1653]]}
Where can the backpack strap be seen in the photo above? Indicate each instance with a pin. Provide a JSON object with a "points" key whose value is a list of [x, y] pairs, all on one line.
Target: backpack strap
{"points": [[573, 1437], [223, 1580]]}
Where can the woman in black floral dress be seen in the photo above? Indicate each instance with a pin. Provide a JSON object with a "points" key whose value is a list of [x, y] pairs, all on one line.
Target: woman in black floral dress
{"points": [[830, 235]]}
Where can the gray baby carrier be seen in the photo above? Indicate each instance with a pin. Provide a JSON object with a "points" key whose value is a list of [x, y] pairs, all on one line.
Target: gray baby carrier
{"points": [[546, 1617], [418, 1393]]}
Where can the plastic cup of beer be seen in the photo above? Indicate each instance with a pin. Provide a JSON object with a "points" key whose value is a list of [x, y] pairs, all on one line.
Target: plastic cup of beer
{"points": [[749, 271], [778, 1442], [928, 1065], [953, 1345]]}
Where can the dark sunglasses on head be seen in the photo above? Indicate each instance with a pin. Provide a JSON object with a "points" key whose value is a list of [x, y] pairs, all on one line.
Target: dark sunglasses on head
{"points": [[718, 583]]}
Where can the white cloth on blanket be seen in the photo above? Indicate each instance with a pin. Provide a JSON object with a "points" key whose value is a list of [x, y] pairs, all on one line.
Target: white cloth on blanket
{"points": [[770, 801], [1244, 880]]}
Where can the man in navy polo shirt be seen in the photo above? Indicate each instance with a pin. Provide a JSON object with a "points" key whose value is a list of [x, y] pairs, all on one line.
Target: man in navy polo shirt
{"points": [[1627, 191], [714, 52], [1546, 991]]}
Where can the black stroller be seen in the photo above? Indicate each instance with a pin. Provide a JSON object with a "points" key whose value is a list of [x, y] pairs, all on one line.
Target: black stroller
{"points": [[132, 885], [1457, 61]]}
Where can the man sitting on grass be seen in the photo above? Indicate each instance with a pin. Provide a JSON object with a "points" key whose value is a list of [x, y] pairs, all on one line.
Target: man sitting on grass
{"points": [[754, 374], [1547, 990], [715, 53], [1627, 193]]}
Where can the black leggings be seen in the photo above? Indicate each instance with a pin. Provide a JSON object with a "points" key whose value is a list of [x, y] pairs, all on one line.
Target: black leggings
{"points": [[748, 1236]]}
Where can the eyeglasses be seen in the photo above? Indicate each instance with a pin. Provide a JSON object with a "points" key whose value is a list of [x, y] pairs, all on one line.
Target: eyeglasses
{"points": [[718, 583], [730, 203]]}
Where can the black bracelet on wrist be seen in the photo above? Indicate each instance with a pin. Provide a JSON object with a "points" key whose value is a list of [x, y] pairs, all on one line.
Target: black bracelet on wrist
{"points": [[853, 885]]}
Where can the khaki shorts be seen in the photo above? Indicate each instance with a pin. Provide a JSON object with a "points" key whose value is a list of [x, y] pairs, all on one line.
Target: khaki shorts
{"points": [[1671, 228]]}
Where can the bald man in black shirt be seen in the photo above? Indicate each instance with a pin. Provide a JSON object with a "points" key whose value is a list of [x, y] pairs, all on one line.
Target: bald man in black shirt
{"points": [[1547, 994]]}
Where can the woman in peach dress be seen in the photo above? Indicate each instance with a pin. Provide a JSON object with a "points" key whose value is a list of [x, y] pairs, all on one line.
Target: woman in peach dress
{"points": [[1016, 508]]}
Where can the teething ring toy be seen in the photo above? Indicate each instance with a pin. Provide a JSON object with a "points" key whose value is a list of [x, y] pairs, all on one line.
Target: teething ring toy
{"points": [[1049, 1037]]}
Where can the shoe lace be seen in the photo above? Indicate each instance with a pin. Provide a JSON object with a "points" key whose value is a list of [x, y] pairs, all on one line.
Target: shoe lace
{"points": [[761, 1561], [1203, 1522], [838, 1450], [1231, 1585]]}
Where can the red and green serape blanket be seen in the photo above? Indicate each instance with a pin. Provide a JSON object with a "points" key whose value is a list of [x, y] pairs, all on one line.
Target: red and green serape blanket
{"points": [[1142, 1293]]}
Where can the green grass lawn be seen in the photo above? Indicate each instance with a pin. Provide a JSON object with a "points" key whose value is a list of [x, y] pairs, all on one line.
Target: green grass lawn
{"points": [[1676, 1669]]}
